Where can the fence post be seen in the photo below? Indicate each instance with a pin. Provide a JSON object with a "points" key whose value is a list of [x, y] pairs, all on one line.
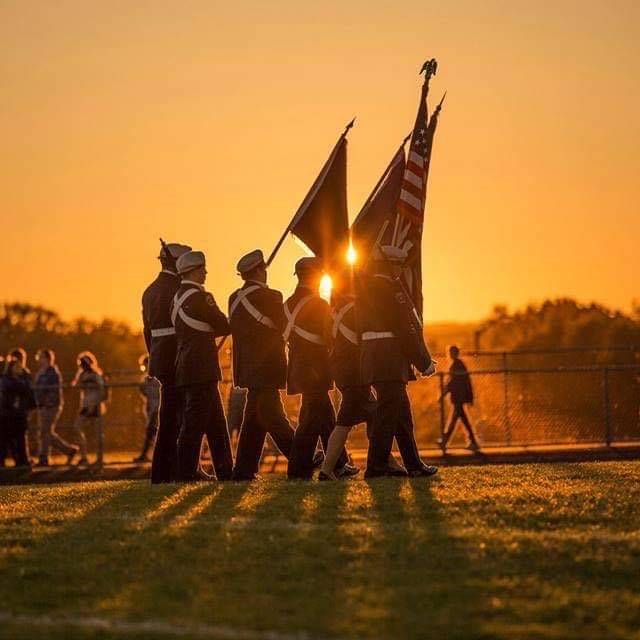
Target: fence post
{"points": [[605, 402], [507, 424], [441, 403]]}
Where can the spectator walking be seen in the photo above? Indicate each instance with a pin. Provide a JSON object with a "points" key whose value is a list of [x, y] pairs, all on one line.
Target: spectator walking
{"points": [[16, 400], [49, 398], [150, 392], [461, 392], [93, 394]]}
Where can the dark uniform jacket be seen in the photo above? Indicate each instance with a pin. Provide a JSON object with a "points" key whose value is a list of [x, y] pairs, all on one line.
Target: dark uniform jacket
{"points": [[156, 317], [259, 360], [309, 369], [459, 384], [48, 388], [383, 359], [198, 321], [345, 353]]}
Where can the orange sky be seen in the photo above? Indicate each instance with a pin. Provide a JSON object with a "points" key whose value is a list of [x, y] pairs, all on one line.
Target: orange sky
{"points": [[206, 122]]}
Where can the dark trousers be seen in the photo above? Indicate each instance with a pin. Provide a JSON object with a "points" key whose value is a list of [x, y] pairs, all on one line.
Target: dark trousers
{"points": [[203, 415], [393, 419], [458, 413], [263, 414], [13, 440], [317, 420], [165, 455]]}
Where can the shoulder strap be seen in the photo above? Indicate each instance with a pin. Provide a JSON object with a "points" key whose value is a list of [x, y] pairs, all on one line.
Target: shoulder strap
{"points": [[340, 326], [241, 298], [193, 323], [292, 316]]}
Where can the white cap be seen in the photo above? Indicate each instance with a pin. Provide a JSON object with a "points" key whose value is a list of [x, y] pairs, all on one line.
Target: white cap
{"points": [[390, 253], [250, 261], [190, 261], [175, 249]]}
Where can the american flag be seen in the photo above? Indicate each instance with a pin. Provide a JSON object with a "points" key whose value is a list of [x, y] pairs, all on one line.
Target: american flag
{"points": [[407, 233]]}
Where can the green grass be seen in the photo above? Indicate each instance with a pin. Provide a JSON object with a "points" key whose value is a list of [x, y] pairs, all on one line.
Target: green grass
{"points": [[532, 551]]}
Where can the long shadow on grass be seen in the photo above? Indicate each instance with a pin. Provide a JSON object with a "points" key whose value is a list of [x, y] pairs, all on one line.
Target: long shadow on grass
{"points": [[425, 569], [56, 572]]}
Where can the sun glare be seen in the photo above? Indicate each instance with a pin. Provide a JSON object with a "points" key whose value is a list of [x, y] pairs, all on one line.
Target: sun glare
{"points": [[352, 256], [325, 287]]}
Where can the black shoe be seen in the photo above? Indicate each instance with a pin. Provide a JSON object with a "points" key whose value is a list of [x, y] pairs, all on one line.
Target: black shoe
{"points": [[43, 461], [323, 477], [348, 471], [71, 456], [385, 472], [423, 472], [318, 459]]}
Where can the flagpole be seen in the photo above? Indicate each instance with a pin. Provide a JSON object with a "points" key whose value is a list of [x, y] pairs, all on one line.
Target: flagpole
{"points": [[293, 220]]}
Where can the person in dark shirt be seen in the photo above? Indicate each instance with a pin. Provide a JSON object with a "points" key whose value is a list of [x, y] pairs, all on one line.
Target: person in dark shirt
{"points": [[48, 390], [257, 319], [461, 392], [16, 400], [198, 321]]}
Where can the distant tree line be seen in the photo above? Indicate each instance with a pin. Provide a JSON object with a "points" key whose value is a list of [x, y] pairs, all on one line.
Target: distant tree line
{"points": [[116, 345]]}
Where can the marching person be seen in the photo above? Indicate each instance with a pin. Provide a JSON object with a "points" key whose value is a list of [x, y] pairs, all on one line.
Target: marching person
{"points": [[461, 392], [387, 356], [16, 400], [198, 321], [358, 403], [308, 333], [256, 316], [160, 339], [48, 390], [150, 392], [93, 395]]}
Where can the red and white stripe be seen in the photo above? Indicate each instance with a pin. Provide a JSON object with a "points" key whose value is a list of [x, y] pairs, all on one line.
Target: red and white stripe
{"points": [[412, 191]]}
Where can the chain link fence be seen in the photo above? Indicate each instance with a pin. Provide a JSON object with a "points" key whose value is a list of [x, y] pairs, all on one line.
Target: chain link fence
{"points": [[512, 407]]}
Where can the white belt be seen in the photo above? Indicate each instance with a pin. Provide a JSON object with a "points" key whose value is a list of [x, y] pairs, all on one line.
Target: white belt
{"points": [[161, 333], [293, 327], [241, 298], [377, 335]]}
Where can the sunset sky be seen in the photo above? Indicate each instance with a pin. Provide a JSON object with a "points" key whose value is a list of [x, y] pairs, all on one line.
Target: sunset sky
{"points": [[206, 122]]}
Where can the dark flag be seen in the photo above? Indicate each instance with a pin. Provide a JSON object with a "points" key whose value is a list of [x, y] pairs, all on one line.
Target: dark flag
{"points": [[322, 221], [407, 232], [376, 219]]}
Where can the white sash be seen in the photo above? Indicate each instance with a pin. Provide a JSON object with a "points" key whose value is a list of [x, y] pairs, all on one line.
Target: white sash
{"points": [[338, 325], [177, 310], [241, 298], [291, 323]]}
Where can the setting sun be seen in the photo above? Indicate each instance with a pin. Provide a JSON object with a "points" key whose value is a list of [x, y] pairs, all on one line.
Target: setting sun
{"points": [[352, 255], [325, 287]]}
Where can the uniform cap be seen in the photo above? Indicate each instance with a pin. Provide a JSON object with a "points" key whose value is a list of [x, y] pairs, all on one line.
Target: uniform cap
{"points": [[175, 249], [307, 265], [250, 261], [189, 261], [389, 253]]}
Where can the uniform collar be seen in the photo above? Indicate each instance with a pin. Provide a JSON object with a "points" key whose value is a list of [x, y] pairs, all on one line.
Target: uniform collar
{"points": [[170, 273], [252, 283], [194, 284]]}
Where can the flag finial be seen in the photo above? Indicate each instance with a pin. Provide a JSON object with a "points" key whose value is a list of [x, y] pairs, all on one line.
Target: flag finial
{"points": [[429, 68]]}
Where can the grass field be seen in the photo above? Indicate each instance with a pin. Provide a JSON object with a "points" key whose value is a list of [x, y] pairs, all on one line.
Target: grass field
{"points": [[531, 551]]}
